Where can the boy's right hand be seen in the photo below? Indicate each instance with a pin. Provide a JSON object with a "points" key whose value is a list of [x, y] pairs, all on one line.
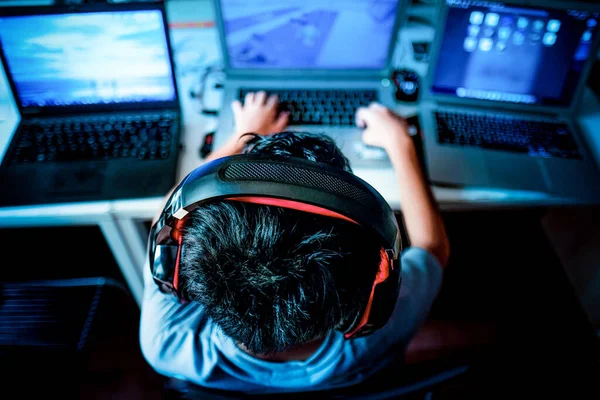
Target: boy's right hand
{"points": [[383, 128]]}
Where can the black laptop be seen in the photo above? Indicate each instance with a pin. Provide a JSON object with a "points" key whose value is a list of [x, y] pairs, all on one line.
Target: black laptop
{"points": [[100, 113]]}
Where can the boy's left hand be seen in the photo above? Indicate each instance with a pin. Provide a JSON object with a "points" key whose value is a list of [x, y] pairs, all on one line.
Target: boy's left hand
{"points": [[258, 115]]}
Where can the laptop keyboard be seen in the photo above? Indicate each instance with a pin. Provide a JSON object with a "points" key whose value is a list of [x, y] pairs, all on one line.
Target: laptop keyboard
{"points": [[498, 132], [320, 106], [136, 137]]}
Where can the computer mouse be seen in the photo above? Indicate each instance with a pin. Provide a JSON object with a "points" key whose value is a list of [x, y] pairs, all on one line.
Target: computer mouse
{"points": [[407, 85]]}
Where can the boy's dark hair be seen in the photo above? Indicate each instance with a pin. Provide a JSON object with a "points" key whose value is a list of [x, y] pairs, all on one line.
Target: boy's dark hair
{"points": [[272, 278]]}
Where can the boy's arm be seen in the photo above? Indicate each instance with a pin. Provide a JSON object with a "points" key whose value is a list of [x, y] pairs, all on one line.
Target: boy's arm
{"points": [[423, 261], [425, 227]]}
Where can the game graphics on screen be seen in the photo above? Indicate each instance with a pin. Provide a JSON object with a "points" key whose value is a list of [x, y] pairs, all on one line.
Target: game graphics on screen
{"points": [[308, 34]]}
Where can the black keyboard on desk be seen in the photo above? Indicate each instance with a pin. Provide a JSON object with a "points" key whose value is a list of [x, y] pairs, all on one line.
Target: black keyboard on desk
{"points": [[320, 106], [500, 132], [139, 137]]}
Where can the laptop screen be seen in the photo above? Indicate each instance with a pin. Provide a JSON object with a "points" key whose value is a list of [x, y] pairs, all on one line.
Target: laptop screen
{"points": [[308, 34], [497, 52], [87, 59]]}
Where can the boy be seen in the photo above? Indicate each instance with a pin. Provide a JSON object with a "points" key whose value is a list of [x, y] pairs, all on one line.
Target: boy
{"points": [[268, 286]]}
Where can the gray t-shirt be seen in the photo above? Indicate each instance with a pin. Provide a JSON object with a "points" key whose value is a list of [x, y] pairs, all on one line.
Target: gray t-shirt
{"points": [[181, 341]]}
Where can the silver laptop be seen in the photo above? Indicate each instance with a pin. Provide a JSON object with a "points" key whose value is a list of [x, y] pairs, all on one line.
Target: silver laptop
{"points": [[98, 103], [501, 94], [323, 58]]}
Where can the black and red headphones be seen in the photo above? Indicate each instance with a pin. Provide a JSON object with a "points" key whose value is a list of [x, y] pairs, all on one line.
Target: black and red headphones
{"points": [[294, 184]]}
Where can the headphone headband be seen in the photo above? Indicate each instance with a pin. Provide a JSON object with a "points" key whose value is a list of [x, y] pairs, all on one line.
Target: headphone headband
{"points": [[286, 182], [290, 179]]}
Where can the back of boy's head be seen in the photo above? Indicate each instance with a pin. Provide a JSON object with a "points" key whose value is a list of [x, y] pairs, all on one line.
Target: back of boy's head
{"points": [[272, 278]]}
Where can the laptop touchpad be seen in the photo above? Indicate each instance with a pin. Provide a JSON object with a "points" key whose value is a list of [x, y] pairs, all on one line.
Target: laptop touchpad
{"points": [[81, 179], [527, 174]]}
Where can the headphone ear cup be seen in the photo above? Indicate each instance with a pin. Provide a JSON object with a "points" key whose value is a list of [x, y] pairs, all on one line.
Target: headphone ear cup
{"points": [[165, 259], [378, 305], [384, 301]]}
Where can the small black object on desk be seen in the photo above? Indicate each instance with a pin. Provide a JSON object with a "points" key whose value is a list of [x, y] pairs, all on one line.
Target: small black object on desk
{"points": [[421, 51], [407, 85], [207, 144]]}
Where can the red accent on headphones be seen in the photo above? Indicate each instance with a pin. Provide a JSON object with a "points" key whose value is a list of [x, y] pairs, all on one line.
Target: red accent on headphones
{"points": [[178, 260], [176, 235], [293, 205], [176, 232]]}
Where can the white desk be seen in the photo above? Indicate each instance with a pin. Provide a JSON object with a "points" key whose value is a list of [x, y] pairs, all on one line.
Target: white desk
{"points": [[123, 222]]}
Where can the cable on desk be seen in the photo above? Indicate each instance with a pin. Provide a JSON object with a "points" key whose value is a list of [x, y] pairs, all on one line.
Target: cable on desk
{"points": [[198, 92]]}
